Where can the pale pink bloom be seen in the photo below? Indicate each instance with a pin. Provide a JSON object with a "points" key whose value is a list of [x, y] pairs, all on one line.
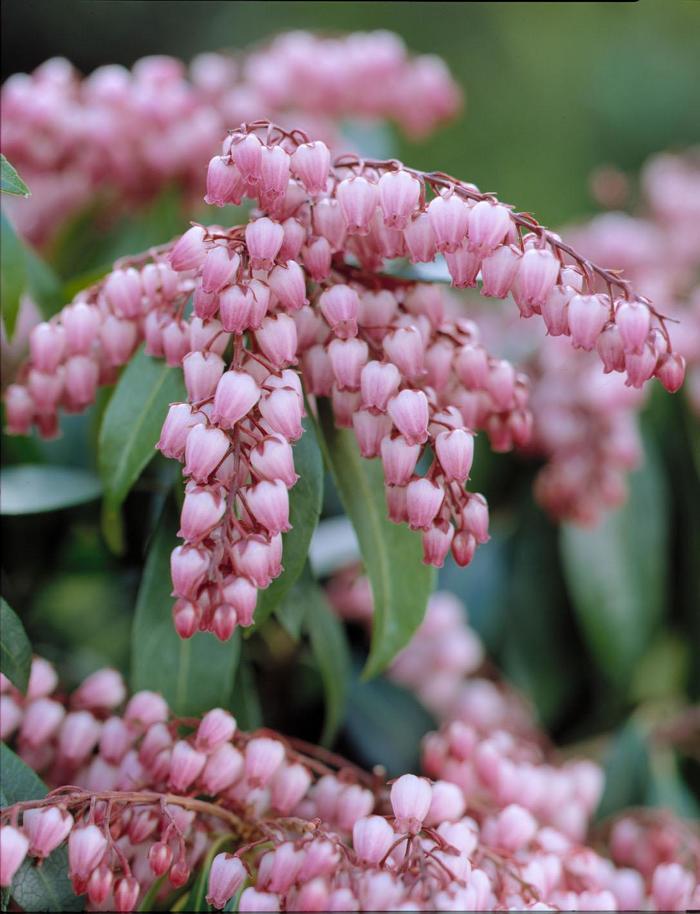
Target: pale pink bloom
{"points": [[46, 829], [102, 689], [42, 718], [269, 504], [489, 224], [236, 394], [409, 412], [263, 756], [277, 337], [404, 346], [190, 250], [13, 849], [311, 165], [86, 846], [264, 239], [205, 449], [202, 509], [449, 217], [226, 876], [288, 787], [223, 768], [273, 458], [424, 499], [372, 837], [588, 314], [186, 764], [288, 283], [340, 305], [358, 199]]}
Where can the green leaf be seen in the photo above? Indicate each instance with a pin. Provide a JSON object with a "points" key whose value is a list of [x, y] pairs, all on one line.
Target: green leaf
{"points": [[616, 574], [330, 649], [392, 554], [15, 649], [35, 888], [193, 675], [626, 765], [132, 422], [245, 703], [13, 274], [292, 612], [10, 181], [304, 510], [43, 285], [34, 488]]}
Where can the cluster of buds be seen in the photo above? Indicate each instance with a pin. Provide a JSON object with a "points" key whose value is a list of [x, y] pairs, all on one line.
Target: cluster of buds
{"points": [[133, 132], [285, 292], [150, 796]]}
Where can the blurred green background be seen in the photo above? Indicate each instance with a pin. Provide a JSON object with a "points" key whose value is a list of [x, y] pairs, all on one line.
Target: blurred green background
{"points": [[553, 89]]}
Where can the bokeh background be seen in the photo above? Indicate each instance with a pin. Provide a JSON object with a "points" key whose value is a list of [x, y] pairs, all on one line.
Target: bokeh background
{"points": [[553, 90]]}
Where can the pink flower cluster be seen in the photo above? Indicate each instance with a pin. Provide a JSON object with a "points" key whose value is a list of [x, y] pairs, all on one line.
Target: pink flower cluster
{"points": [[133, 132], [285, 291], [150, 795]]}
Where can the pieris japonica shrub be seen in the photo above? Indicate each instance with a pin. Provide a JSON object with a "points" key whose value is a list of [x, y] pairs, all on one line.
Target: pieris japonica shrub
{"points": [[304, 333]]}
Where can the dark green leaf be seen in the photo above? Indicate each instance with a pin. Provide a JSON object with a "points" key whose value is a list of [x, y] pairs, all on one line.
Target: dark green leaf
{"points": [[10, 181], [392, 554], [304, 510], [43, 285], [34, 488], [13, 274], [330, 649], [15, 649], [616, 574], [666, 786], [626, 765], [245, 703], [385, 724], [132, 422], [293, 610], [35, 888], [193, 675]]}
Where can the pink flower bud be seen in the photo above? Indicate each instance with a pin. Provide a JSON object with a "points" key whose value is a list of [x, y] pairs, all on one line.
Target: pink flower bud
{"points": [[379, 381], [178, 423], [348, 357], [283, 412], [399, 459], [81, 323], [537, 275], [160, 282], [223, 768], [489, 224], [498, 271], [633, 321], [186, 764], [274, 172], [205, 448], [186, 618], [146, 708], [86, 847], [46, 346], [321, 857], [236, 394], [273, 458], [463, 547], [263, 756], [405, 348], [555, 310], [317, 259], [248, 158], [447, 804], [188, 568], [253, 558], [311, 165], [449, 218], [588, 314], [372, 836], [423, 501], [176, 342], [236, 304], [219, 268], [78, 736], [340, 305], [399, 193], [409, 412], [179, 873], [610, 349], [202, 510], [80, 381], [225, 184], [269, 504], [671, 371], [99, 885], [226, 876], [455, 451], [475, 517], [294, 238], [46, 829], [640, 366], [289, 285], [13, 850], [19, 410], [463, 266], [264, 239], [353, 803], [671, 887], [419, 238], [501, 384], [437, 540], [277, 337], [252, 900], [115, 740], [103, 689], [43, 679], [153, 334], [410, 800], [11, 716], [288, 787], [118, 339], [42, 718], [515, 828], [329, 223], [124, 292], [370, 430], [224, 621], [358, 200], [160, 857], [126, 894]]}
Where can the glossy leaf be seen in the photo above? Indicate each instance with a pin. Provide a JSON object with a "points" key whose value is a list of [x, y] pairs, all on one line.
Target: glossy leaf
{"points": [[15, 649], [13, 274], [132, 422], [193, 675], [392, 554], [331, 653], [35, 888], [34, 488], [616, 574], [304, 509], [10, 181]]}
